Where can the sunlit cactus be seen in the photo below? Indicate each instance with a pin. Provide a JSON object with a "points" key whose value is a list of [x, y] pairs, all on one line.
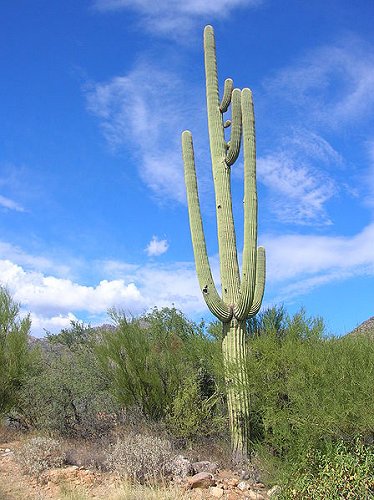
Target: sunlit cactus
{"points": [[241, 293]]}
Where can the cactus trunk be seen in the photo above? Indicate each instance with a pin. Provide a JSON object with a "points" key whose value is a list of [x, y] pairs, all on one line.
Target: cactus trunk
{"points": [[241, 293], [234, 357]]}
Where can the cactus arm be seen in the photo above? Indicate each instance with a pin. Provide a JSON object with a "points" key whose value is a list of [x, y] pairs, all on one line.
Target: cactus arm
{"points": [[204, 274], [229, 268], [250, 208], [226, 99], [236, 128], [260, 282], [216, 134]]}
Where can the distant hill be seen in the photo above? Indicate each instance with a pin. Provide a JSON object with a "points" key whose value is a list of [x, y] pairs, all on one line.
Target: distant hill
{"points": [[366, 328]]}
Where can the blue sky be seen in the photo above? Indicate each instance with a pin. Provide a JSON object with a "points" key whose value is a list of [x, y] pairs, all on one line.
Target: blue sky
{"points": [[93, 98]]}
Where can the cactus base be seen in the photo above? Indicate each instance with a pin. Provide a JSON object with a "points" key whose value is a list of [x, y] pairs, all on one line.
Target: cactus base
{"points": [[235, 365]]}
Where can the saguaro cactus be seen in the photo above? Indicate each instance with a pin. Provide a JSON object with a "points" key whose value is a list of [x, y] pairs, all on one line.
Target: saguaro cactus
{"points": [[241, 294]]}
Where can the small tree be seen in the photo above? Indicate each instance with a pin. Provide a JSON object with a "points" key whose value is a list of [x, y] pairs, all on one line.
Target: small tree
{"points": [[15, 360]]}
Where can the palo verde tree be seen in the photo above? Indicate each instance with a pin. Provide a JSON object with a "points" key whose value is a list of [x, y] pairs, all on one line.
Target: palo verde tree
{"points": [[15, 357], [241, 293]]}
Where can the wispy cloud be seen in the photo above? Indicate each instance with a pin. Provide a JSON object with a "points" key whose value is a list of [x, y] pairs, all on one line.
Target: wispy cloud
{"points": [[299, 263], [156, 247], [298, 194], [17, 255], [327, 88], [298, 183], [331, 85], [10, 204], [172, 17], [368, 178], [142, 113]]}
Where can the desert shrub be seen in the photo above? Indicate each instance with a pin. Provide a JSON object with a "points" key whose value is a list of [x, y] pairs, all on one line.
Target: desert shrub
{"points": [[39, 454], [69, 395], [16, 359], [77, 336], [148, 359], [307, 389], [271, 320], [87, 454], [309, 392], [140, 457], [191, 415], [340, 470]]}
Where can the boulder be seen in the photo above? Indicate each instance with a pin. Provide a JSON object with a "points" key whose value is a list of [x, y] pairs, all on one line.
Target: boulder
{"points": [[201, 480], [205, 466], [179, 467]]}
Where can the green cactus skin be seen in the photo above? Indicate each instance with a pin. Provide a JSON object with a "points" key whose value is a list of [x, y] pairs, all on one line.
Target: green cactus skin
{"points": [[241, 294]]}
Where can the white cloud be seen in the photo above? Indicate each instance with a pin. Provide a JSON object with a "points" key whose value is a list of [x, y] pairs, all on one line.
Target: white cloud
{"points": [[296, 264], [10, 204], [296, 174], [331, 85], [163, 284], [328, 88], [40, 323], [49, 294], [143, 114], [172, 17], [156, 247], [54, 301]]}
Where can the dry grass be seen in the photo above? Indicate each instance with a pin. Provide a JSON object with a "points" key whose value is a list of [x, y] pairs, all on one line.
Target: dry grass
{"points": [[127, 491], [8, 434]]}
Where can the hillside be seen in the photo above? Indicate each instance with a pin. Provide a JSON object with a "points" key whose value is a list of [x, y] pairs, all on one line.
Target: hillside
{"points": [[366, 328]]}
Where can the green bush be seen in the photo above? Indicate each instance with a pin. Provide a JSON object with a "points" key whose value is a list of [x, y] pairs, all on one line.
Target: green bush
{"points": [[340, 470], [16, 359], [309, 392], [191, 415], [69, 395], [148, 359]]}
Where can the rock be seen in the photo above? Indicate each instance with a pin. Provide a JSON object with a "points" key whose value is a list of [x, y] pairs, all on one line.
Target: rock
{"points": [[179, 467], [205, 466], [243, 486], [201, 480], [274, 491], [259, 485], [232, 482], [232, 496], [250, 471], [71, 474], [245, 474], [254, 495], [216, 492]]}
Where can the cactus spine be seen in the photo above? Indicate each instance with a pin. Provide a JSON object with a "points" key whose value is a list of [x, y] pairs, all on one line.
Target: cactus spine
{"points": [[241, 294]]}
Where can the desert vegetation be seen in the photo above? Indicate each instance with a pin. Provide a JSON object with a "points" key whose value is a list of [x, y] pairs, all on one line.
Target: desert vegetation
{"points": [[138, 391]]}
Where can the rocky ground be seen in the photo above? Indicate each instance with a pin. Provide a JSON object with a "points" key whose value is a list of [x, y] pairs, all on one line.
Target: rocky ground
{"points": [[199, 480]]}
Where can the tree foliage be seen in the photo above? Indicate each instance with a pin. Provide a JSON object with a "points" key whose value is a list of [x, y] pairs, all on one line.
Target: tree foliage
{"points": [[15, 357]]}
